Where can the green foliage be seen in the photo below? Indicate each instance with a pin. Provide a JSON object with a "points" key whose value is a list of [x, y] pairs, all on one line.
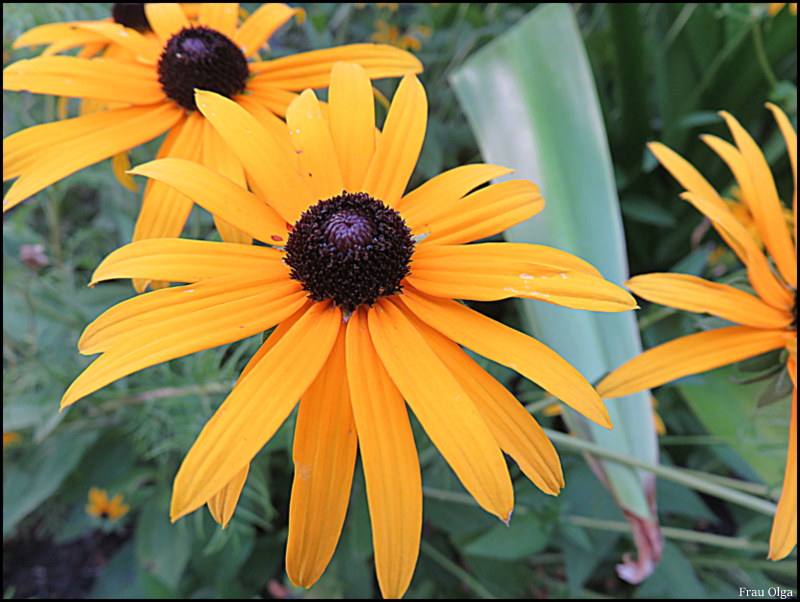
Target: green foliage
{"points": [[662, 70]]}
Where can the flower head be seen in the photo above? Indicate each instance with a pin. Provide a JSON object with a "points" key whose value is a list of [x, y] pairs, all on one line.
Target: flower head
{"points": [[102, 507], [153, 86], [766, 320], [360, 283]]}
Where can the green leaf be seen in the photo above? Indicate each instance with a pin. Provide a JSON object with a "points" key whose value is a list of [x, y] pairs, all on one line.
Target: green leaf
{"points": [[524, 536], [531, 101]]}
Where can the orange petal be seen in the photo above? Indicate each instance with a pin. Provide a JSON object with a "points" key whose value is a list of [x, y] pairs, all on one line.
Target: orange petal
{"points": [[67, 35], [195, 317], [352, 122], [683, 171], [47, 153], [492, 271], [257, 406], [260, 26], [313, 69], [166, 19], [518, 434], [389, 458], [222, 504], [144, 48], [316, 153], [481, 214], [277, 100], [784, 527], [222, 16], [687, 355], [263, 159], [691, 293], [324, 455], [511, 348], [181, 260], [271, 122], [443, 408], [450, 186], [399, 144]]}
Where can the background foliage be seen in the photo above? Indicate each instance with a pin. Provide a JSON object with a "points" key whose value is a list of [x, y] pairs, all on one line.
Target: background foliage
{"points": [[661, 73]]}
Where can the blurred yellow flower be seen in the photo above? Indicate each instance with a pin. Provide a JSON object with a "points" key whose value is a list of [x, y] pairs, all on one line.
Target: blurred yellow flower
{"points": [[773, 8], [99, 505], [10, 438]]}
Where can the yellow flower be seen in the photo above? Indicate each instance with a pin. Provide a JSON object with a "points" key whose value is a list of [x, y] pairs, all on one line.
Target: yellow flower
{"points": [[10, 438], [157, 85], [361, 286], [773, 8], [99, 505], [768, 319], [390, 34]]}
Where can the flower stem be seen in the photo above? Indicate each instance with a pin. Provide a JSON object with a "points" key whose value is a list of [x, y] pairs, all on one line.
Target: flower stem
{"points": [[455, 570]]}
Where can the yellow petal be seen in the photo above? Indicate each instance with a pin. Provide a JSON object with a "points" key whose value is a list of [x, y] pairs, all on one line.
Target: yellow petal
{"points": [[389, 458], [47, 153], [352, 122], [766, 206], [166, 19], [518, 434], [197, 316], [784, 527], [511, 348], [52, 33], [399, 144], [687, 355], [313, 69], [219, 195], [683, 171], [144, 48], [271, 122], [790, 136], [450, 186], [691, 293], [260, 26], [182, 260], [324, 455], [223, 503], [443, 408], [481, 214], [493, 271], [263, 159], [316, 153], [222, 16], [275, 99], [257, 406]]}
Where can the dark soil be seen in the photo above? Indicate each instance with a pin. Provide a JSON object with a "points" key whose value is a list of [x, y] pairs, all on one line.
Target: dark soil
{"points": [[43, 569]]}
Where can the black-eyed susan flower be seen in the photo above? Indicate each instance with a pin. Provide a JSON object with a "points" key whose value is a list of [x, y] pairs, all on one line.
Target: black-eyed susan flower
{"points": [[156, 83], [767, 320], [360, 283], [101, 506]]}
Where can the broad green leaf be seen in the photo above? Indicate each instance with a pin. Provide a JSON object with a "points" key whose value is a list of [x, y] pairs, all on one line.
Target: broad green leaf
{"points": [[526, 536], [532, 103]]}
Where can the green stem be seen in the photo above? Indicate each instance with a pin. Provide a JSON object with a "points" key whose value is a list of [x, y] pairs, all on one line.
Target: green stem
{"points": [[676, 475], [788, 569], [455, 570], [761, 56]]}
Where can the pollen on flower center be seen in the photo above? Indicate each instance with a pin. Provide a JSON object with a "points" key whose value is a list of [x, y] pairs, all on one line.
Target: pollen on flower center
{"points": [[131, 14], [199, 57], [351, 249]]}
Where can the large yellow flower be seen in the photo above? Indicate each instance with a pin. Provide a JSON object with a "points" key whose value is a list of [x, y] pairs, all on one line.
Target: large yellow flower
{"points": [[360, 283], [768, 319], [156, 83]]}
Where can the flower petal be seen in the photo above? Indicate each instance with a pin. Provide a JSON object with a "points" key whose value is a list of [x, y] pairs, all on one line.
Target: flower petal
{"points": [[266, 94], [184, 320], [316, 153], [223, 503], [389, 458], [324, 455], [790, 136], [683, 171], [144, 48], [182, 260], [511, 348], [399, 144], [493, 271], [518, 434], [784, 527], [220, 196], [352, 122], [694, 294], [259, 27], [65, 35], [46, 153], [687, 355], [481, 214], [166, 19], [263, 159], [443, 408], [450, 186], [222, 16], [257, 406], [313, 69]]}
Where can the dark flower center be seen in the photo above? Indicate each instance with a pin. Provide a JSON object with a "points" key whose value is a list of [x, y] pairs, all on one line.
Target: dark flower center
{"points": [[131, 14], [351, 248], [199, 57]]}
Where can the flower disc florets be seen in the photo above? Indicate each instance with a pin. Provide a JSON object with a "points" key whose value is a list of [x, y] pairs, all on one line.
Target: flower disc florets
{"points": [[131, 14], [199, 57], [351, 249]]}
